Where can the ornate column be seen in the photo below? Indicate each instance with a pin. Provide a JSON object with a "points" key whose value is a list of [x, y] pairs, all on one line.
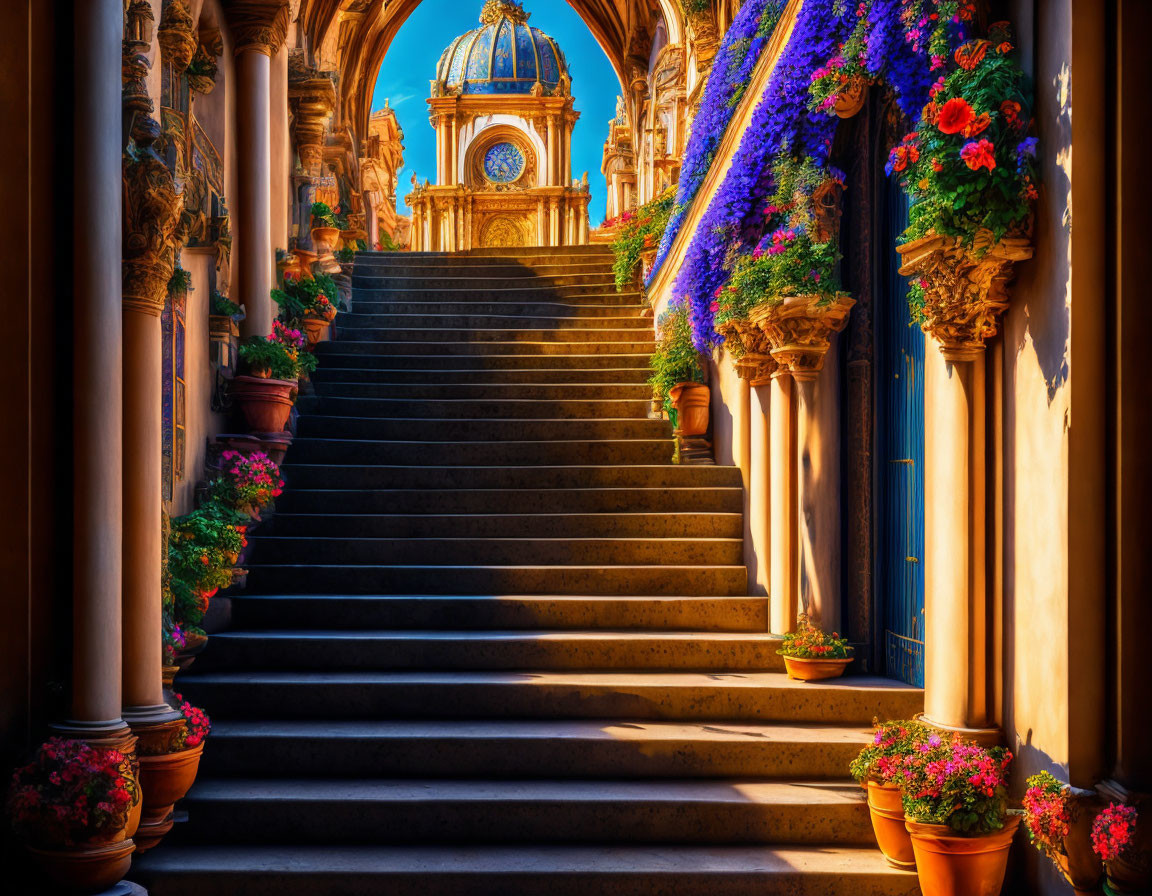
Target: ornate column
{"points": [[97, 509], [259, 28], [784, 564], [312, 101], [755, 448], [153, 208], [965, 291]]}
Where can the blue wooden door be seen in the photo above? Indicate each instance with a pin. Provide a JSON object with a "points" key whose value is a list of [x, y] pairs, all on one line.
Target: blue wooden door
{"points": [[900, 458]]}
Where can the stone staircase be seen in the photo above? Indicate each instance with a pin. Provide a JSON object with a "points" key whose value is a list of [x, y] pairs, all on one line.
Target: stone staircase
{"points": [[494, 642]]}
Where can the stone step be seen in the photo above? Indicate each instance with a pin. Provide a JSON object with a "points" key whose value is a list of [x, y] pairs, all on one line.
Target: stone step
{"points": [[525, 870], [494, 265], [560, 311], [459, 391], [376, 278], [739, 613], [500, 551], [378, 373], [327, 650], [605, 451], [750, 696], [538, 336], [507, 525], [662, 476], [333, 811], [370, 323], [450, 406], [381, 300], [528, 500], [380, 289], [507, 346], [452, 578], [520, 367], [463, 430], [571, 749]]}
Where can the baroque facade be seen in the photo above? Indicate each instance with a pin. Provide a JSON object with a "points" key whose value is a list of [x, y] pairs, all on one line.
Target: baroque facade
{"points": [[965, 501], [502, 108]]}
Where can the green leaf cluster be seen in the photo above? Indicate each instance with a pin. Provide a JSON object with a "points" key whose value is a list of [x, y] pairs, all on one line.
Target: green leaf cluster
{"points": [[675, 359], [643, 230]]}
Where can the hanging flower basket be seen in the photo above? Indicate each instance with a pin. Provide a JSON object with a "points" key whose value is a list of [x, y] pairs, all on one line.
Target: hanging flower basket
{"points": [[963, 289], [799, 329]]}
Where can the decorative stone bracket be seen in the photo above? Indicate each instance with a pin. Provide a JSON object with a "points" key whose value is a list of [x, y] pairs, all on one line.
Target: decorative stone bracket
{"points": [[749, 346], [177, 38], [965, 288], [798, 331]]}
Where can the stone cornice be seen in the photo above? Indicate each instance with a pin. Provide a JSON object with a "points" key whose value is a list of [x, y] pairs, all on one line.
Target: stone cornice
{"points": [[674, 260], [260, 25]]}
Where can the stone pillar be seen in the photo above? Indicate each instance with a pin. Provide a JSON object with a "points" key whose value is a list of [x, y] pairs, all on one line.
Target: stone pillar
{"points": [[818, 493], [280, 146], [373, 223], [784, 561], [956, 627], [259, 28], [97, 515], [550, 173], [756, 470]]}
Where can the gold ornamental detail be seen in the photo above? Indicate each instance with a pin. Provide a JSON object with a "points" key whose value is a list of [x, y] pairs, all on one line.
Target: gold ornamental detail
{"points": [[799, 330], [965, 287], [260, 25]]}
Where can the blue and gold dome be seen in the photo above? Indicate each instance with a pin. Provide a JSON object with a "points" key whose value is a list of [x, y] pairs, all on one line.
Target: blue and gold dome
{"points": [[503, 55]]}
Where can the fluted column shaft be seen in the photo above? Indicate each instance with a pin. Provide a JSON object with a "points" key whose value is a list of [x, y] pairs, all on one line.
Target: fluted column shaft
{"points": [[254, 206], [784, 563]]}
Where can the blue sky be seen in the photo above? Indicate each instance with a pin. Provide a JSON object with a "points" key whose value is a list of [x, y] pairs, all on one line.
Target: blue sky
{"points": [[411, 64]]}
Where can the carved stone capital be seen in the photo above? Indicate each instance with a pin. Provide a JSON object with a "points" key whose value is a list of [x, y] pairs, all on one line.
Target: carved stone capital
{"points": [[260, 25], [138, 24], [176, 35], [798, 330], [965, 288], [750, 350], [153, 208]]}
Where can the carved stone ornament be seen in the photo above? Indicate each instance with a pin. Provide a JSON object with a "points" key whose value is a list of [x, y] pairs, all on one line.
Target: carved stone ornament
{"points": [[965, 288], [153, 207], [260, 25], [749, 348], [202, 71], [138, 22], [705, 39], [177, 38], [798, 330]]}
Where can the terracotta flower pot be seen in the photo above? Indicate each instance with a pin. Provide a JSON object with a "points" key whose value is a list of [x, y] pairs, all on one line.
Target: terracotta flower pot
{"points": [[887, 811], [85, 869], [691, 401], [950, 865], [265, 403], [1125, 877], [325, 239], [168, 675], [802, 669], [315, 330], [164, 780]]}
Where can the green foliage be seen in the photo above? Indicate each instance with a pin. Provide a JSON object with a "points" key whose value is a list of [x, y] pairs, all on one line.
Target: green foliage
{"points": [[969, 165], [345, 255], [809, 642], [300, 297], [387, 244], [202, 549], [675, 359], [285, 362], [639, 231], [179, 282], [220, 304], [322, 215], [791, 259], [882, 760]]}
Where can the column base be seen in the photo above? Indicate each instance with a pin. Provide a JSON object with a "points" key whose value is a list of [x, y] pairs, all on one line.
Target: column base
{"points": [[110, 734], [985, 737], [155, 727]]}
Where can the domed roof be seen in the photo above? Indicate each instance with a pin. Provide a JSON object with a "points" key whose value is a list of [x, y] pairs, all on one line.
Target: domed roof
{"points": [[503, 55]]}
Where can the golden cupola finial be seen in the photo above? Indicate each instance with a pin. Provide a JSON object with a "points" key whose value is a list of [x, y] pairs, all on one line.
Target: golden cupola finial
{"points": [[495, 10]]}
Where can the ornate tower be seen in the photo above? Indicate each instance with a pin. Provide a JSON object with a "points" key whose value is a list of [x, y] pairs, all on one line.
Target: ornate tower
{"points": [[501, 105]]}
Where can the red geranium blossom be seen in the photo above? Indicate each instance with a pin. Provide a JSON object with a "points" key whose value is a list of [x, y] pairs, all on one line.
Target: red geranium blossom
{"points": [[977, 125], [979, 155], [955, 115]]}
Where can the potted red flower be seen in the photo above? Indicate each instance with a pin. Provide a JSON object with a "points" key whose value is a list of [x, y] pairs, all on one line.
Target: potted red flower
{"points": [[275, 364], [879, 768], [1114, 841], [1058, 821], [813, 655], [246, 483], [166, 777], [956, 805], [76, 808]]}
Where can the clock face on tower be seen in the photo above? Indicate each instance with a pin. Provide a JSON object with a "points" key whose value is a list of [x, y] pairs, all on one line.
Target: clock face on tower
{"points": [[503, 163]]}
